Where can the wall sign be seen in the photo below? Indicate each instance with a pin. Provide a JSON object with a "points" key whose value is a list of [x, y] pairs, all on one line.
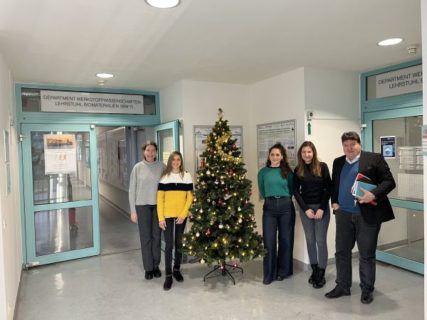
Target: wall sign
{"points": [[271, 133], [388, 147], [399, 82], [68, 101]]}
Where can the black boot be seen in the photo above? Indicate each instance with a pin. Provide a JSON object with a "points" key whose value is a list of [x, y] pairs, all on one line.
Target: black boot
{"points": [[314, 267], [168, 282], [177, 274], [320, 280]]}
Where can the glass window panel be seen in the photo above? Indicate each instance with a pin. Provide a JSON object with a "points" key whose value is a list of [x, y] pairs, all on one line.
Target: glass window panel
{"points": [[407, 166], [404, 236], [166, 144], [63, 230], [61, 187]]}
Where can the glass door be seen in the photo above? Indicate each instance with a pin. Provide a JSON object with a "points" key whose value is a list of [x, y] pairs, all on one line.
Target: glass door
{"points": [[167, 138], [397, 134], [60, 193]]}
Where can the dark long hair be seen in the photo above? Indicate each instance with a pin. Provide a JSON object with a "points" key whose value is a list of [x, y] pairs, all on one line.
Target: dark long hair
{"points": [[284, 164], [168, 168], [149, 143], [315, 163]]}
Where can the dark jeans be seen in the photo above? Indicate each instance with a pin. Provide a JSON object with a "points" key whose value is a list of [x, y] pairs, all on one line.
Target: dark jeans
{"points": [[149, 234], [352, 228], [278, 222], [315, 235], [172, 231]]}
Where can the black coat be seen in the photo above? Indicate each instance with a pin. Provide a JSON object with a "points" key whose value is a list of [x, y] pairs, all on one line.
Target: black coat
{"points": [[376, 168]]}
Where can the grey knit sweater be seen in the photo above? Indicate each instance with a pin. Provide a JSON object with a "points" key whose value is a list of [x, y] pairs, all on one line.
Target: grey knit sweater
{"points": [[144, 180]]}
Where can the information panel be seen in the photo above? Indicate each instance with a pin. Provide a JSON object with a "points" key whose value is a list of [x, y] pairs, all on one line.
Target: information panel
{"points": [[270, 133]]}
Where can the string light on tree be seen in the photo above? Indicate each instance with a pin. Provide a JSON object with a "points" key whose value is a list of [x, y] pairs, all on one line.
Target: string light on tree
{"points": [[222, 191]]}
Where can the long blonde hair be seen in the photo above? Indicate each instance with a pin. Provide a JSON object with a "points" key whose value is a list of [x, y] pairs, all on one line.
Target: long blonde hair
{"points": [[168, 168], [315, 163]]}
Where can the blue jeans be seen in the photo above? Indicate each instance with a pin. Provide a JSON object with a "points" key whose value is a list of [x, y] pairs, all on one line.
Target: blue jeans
{"points": [[352, 228], [278, 223]]}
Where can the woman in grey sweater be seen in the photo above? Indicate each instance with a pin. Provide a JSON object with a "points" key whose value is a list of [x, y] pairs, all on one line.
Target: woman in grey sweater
{"points": [[144, 180]]}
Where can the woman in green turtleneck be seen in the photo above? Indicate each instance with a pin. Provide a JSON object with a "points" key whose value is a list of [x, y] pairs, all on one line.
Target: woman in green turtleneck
{"points": [[275, 183]]}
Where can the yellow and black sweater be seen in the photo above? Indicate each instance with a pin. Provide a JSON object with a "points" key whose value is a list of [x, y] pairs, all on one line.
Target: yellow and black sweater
{"points": [[174, 196]]}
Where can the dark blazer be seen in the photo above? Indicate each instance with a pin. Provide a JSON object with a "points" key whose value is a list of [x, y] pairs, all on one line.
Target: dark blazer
{"points": [[376, 168]]}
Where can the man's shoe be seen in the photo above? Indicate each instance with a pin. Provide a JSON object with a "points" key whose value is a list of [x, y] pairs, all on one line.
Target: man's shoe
{"points": [[280, 278], [177, 275], [337, 292], [148, 275], [366, 297], [168, 282], [157, 273], [267, 281]]}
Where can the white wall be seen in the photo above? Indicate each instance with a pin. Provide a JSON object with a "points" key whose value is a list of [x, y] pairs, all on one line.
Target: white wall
{"points": [[424, 42], [197, 103], [277, 99], [333, 97], [10, 228], [284, 97]]}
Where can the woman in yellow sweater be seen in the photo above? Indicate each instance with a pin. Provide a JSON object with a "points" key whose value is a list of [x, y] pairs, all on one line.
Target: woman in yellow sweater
{"points": [[174, 198]]}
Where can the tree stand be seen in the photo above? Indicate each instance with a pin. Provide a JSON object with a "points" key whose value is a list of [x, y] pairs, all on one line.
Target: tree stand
{"points": [[223, 269]]}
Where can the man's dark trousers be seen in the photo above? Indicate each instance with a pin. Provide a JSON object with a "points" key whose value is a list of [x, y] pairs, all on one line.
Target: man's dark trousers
{"points": [[351, 229]]}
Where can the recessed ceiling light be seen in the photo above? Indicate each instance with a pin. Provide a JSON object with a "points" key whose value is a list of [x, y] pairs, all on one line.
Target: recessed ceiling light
{"points": [[390, 42], [163, 4], [104, 75]]}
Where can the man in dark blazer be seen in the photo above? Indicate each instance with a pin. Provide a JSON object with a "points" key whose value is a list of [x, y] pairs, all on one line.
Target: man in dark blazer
{"points": [[358, 220]]}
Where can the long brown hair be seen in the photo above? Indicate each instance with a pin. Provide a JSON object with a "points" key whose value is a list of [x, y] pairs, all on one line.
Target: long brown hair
{"points": [[315, 163], [168, 168], [284, 164]]}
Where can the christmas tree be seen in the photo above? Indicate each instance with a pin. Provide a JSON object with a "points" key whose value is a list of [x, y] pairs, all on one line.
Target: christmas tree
{"points": [[223, 219]]}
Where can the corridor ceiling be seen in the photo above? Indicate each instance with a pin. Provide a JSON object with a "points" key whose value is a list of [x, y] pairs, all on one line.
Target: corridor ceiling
{"points": [[234, 41]]}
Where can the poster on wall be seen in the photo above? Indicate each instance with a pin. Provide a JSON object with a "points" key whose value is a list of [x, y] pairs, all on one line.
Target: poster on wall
{"points": [[388, 147], [270, 133], [60, 153], [112, 158], [201, 134]]}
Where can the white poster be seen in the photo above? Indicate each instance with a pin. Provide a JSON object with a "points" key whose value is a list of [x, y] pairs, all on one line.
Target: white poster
{"points": [[69, 101], [271, 133], [60, 153]]}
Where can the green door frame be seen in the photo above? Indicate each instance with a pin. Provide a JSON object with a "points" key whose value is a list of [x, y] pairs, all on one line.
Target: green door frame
{"points": [[174, 127], [29, 208], [388, 108], [26, 120]]}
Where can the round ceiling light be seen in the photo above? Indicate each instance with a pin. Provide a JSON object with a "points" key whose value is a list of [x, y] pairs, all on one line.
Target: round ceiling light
{"points": [[103, 75], [390, 42], [163, 4]]}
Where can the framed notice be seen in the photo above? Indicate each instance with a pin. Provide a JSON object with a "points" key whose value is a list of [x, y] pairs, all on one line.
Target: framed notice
{"points": [[60, 153], [388, 147], [270, 133], [200, 135]]}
